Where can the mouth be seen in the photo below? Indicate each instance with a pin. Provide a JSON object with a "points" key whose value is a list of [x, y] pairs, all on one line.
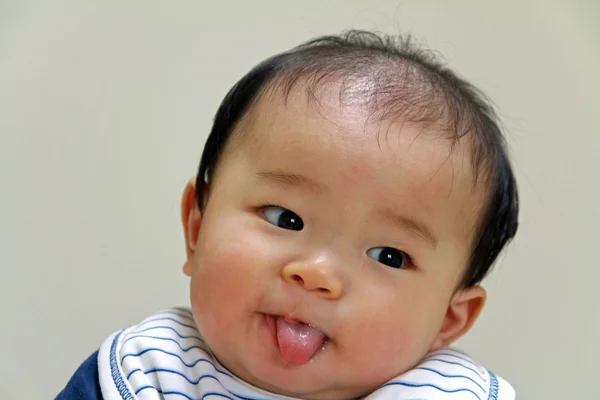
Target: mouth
{"points": [[298, 342]]}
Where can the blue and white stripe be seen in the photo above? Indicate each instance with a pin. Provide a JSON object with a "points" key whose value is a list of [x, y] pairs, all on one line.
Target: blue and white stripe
{"points": [[164, 357]]}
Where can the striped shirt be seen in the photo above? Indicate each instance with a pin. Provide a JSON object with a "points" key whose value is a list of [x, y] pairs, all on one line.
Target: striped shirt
{"points": [[165, 357]]}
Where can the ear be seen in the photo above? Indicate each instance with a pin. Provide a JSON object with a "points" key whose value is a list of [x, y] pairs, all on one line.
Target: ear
{"points": [[191, 219], [464, 308]]}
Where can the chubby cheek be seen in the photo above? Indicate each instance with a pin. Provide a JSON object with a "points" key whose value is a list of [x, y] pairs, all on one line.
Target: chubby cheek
{"points": [[394, 338], [228, 266]]}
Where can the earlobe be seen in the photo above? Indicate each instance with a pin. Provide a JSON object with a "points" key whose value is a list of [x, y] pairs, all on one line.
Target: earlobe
{"points": [[463, 310], [190, 219]]}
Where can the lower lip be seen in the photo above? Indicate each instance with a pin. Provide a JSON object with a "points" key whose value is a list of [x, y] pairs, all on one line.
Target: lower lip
{"points": [[269, 338]]}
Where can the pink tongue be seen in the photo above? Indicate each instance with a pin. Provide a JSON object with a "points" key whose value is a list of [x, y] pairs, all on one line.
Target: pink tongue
{"points": [[298, 342]]}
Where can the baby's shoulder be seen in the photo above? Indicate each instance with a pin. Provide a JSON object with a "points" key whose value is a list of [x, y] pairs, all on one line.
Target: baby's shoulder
{"points": [[447, 374]]}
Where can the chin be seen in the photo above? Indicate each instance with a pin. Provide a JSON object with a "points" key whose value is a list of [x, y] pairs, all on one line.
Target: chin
{"points": [[292, 382]]}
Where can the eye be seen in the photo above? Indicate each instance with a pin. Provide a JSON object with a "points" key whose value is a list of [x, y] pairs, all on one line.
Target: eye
{"points": [[391, 257], [283, 218]]}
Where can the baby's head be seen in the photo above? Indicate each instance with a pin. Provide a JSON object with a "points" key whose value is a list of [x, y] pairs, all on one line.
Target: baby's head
{"points": [[351, 196]]}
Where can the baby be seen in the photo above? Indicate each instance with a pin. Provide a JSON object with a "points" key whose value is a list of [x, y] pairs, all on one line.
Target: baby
{"points": [[351, 196]]}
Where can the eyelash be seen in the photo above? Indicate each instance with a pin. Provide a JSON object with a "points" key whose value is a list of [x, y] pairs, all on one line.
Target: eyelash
{"points": [[409, 259]]}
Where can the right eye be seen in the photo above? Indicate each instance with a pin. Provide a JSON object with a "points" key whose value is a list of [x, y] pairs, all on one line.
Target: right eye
{"points": [[283, 218], [391, 257]]}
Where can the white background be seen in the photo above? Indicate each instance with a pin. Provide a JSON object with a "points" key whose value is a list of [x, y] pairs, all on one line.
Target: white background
{"points": [[104, 109]]}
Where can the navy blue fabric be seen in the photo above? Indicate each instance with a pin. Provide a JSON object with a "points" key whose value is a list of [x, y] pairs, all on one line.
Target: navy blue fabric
{"points": [[84, 383]]}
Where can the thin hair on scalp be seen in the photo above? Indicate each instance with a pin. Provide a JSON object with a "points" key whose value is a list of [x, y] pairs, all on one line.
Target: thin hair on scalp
{"points": [[394, 79]]}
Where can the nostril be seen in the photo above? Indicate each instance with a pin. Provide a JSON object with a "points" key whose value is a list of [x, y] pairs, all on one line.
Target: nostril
{"points": [[310, 284]]}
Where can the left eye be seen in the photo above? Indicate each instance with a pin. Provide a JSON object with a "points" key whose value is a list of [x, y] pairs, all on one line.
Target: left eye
{"points": [[388, 256], [283, 218]]}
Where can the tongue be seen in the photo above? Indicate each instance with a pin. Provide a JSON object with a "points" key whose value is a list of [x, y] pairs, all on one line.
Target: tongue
{"points": [[298, 342]]}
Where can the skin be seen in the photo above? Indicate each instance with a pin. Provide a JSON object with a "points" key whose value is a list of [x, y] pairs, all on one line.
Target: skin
{"points": [[354, 184]]}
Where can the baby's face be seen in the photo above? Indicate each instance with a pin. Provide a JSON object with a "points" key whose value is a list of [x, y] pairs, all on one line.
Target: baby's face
{"points": [[330, 248]]}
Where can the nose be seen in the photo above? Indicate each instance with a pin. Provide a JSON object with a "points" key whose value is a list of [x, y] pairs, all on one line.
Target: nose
{"points": [[318, 275]]}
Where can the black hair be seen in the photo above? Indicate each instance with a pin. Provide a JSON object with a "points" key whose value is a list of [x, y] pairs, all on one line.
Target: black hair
{"points": [[404, 82]]}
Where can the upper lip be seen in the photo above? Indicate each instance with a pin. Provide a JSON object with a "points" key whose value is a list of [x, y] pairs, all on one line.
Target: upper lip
{"points": [[296, 318]]}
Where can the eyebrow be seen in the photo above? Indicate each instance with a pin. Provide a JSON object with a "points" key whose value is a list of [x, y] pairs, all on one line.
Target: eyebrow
{"points": [[286, 180], [418, 228]]}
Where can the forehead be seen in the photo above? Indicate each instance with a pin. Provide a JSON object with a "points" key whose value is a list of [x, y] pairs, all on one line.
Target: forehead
{"points": [[391, 162]]}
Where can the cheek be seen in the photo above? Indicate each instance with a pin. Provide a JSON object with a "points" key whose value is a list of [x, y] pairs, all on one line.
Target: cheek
{"points": [[228, 253], [229, 265], [403, 332]]}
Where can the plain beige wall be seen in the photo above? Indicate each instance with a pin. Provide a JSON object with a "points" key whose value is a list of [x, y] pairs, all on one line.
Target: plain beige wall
{"points": [[104, 109]]}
